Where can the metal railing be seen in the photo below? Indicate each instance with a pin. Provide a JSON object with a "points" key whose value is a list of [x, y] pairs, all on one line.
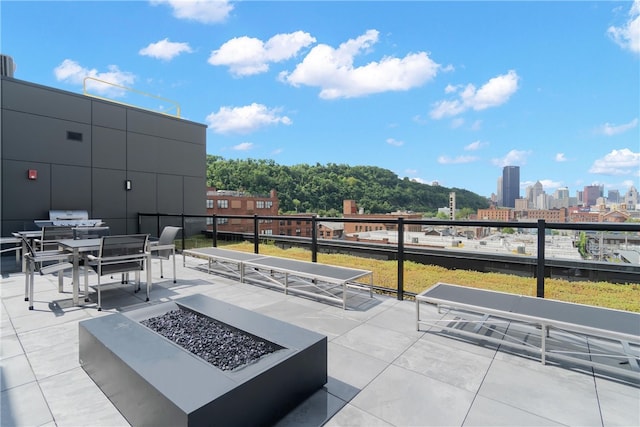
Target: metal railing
{"points": [[539, 266], [174, 104]]}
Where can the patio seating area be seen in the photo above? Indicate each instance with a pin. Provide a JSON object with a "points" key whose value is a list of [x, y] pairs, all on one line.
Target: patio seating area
{"points": [[381, 370]]}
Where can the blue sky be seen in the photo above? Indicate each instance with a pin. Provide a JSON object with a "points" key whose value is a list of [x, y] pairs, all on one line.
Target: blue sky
{"points": [[434, 91]]}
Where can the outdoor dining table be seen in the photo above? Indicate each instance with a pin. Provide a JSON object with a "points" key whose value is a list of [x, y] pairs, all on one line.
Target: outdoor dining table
{"points": [[78, 248]]}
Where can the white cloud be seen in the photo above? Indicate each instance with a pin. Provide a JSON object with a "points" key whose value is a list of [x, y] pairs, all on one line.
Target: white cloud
{"points": [[446, 160], [410, 171], [165, 49], [493, 93], [610, 130], [477, 125], [457, 122], [246, 56], [333, 70], [560, 157], [395, 142], [476, 145], [512, 158], [243, 146], [420, 180], [245, 119], [70, 71], [204, 11], [627, 36], [617, 162]]}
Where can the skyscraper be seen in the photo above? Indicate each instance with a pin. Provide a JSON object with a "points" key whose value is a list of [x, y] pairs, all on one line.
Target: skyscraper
{"points": [[510, 186]]}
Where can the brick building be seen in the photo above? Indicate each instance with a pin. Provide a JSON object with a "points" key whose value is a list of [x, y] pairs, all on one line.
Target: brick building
{"points": [[223, 202], [494, 214], [350, 210]]}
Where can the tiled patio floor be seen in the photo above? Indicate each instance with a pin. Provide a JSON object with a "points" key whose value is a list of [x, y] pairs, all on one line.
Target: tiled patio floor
{"points": [[381, 370]]}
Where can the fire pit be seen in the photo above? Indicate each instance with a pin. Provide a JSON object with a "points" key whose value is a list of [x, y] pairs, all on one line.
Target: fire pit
{"points": [[265, 367]]}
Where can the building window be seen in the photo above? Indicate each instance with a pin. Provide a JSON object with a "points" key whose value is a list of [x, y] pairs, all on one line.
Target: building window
{"points": [[259, 204], [209, 204], [222, 220], [209, 220], [268, 204], [223, 204]]}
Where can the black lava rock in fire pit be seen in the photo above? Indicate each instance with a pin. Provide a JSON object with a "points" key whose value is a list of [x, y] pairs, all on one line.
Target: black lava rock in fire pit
{"points": [[224, 347]]}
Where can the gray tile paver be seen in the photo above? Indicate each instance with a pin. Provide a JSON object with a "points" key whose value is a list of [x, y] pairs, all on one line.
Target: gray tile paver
{"points": [[380, 368]]}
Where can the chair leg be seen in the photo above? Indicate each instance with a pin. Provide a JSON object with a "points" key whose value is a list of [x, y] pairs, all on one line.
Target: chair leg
{"points": [[31, 280], [26, 282], [86, 284], [174, 265], [161, 272], [99, 297]]}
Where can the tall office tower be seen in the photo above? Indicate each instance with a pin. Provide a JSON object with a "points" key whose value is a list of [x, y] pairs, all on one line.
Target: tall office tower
{"points": [[562, 193], [536, 191], [613, 196], [499, 191], [510, 186], [591, 194], [631, 198]]}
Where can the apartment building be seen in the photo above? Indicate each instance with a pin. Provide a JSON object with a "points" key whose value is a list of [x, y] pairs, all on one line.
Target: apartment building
{"points": [[224, 202]]}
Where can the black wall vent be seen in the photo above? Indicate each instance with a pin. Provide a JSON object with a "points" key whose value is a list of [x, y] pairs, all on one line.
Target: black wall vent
{"points": [[74, 136]]}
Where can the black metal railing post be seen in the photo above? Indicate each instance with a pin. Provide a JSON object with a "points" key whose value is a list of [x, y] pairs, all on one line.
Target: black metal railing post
{"points": [[314, 239], [214, 230], [158, 225], [256, 245], [540, 266], [400, 258]]}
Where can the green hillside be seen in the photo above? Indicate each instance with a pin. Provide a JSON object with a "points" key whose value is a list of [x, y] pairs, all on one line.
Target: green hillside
{"points": [[322, 188]]}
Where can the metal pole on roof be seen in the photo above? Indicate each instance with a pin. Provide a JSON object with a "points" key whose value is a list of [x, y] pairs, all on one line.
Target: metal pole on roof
{"points": [[400, 258], [314, 240], [540, 266], [255, 234]]}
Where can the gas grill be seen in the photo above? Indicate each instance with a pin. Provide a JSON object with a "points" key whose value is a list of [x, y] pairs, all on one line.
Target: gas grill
{"points": [[71, 218]]}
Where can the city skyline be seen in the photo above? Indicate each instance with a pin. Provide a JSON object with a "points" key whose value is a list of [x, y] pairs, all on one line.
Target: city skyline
{"points": [[447, 92]]}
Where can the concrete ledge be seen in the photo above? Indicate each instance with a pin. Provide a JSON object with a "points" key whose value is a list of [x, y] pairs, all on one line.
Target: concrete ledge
{"points": [[153, 381]]}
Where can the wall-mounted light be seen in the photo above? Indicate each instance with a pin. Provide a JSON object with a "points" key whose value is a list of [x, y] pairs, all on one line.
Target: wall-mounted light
{"points": [[32, 174], [127, 185]]}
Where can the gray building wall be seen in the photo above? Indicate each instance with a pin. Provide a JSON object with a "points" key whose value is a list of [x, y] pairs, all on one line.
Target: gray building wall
{"points": [[164, 158]]}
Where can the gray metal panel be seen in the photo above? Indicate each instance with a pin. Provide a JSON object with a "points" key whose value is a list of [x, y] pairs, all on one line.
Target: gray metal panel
{"points": [[44, 101], [143, 153], [109, 148], [308, 268], [44, 139], [109, 115], [108, 194], [142, 197], [625, 322], [148, 153], [163, 126], [194, 188], [477, 297], [225, 254], [170, 194], [70, 187], [24, 199]]}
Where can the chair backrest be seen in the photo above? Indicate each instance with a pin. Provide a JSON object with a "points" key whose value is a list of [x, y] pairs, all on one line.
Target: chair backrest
{"points": [[51, 234], [168, 235], [57, 233], [90, 232], [122, 245]]}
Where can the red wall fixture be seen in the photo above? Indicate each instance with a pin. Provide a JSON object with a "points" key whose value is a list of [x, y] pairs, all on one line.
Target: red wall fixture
{"points": [[32, 174]]}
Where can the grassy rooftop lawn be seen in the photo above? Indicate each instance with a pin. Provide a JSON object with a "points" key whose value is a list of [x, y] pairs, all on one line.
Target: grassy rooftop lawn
{"points": [[418, 277]]}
